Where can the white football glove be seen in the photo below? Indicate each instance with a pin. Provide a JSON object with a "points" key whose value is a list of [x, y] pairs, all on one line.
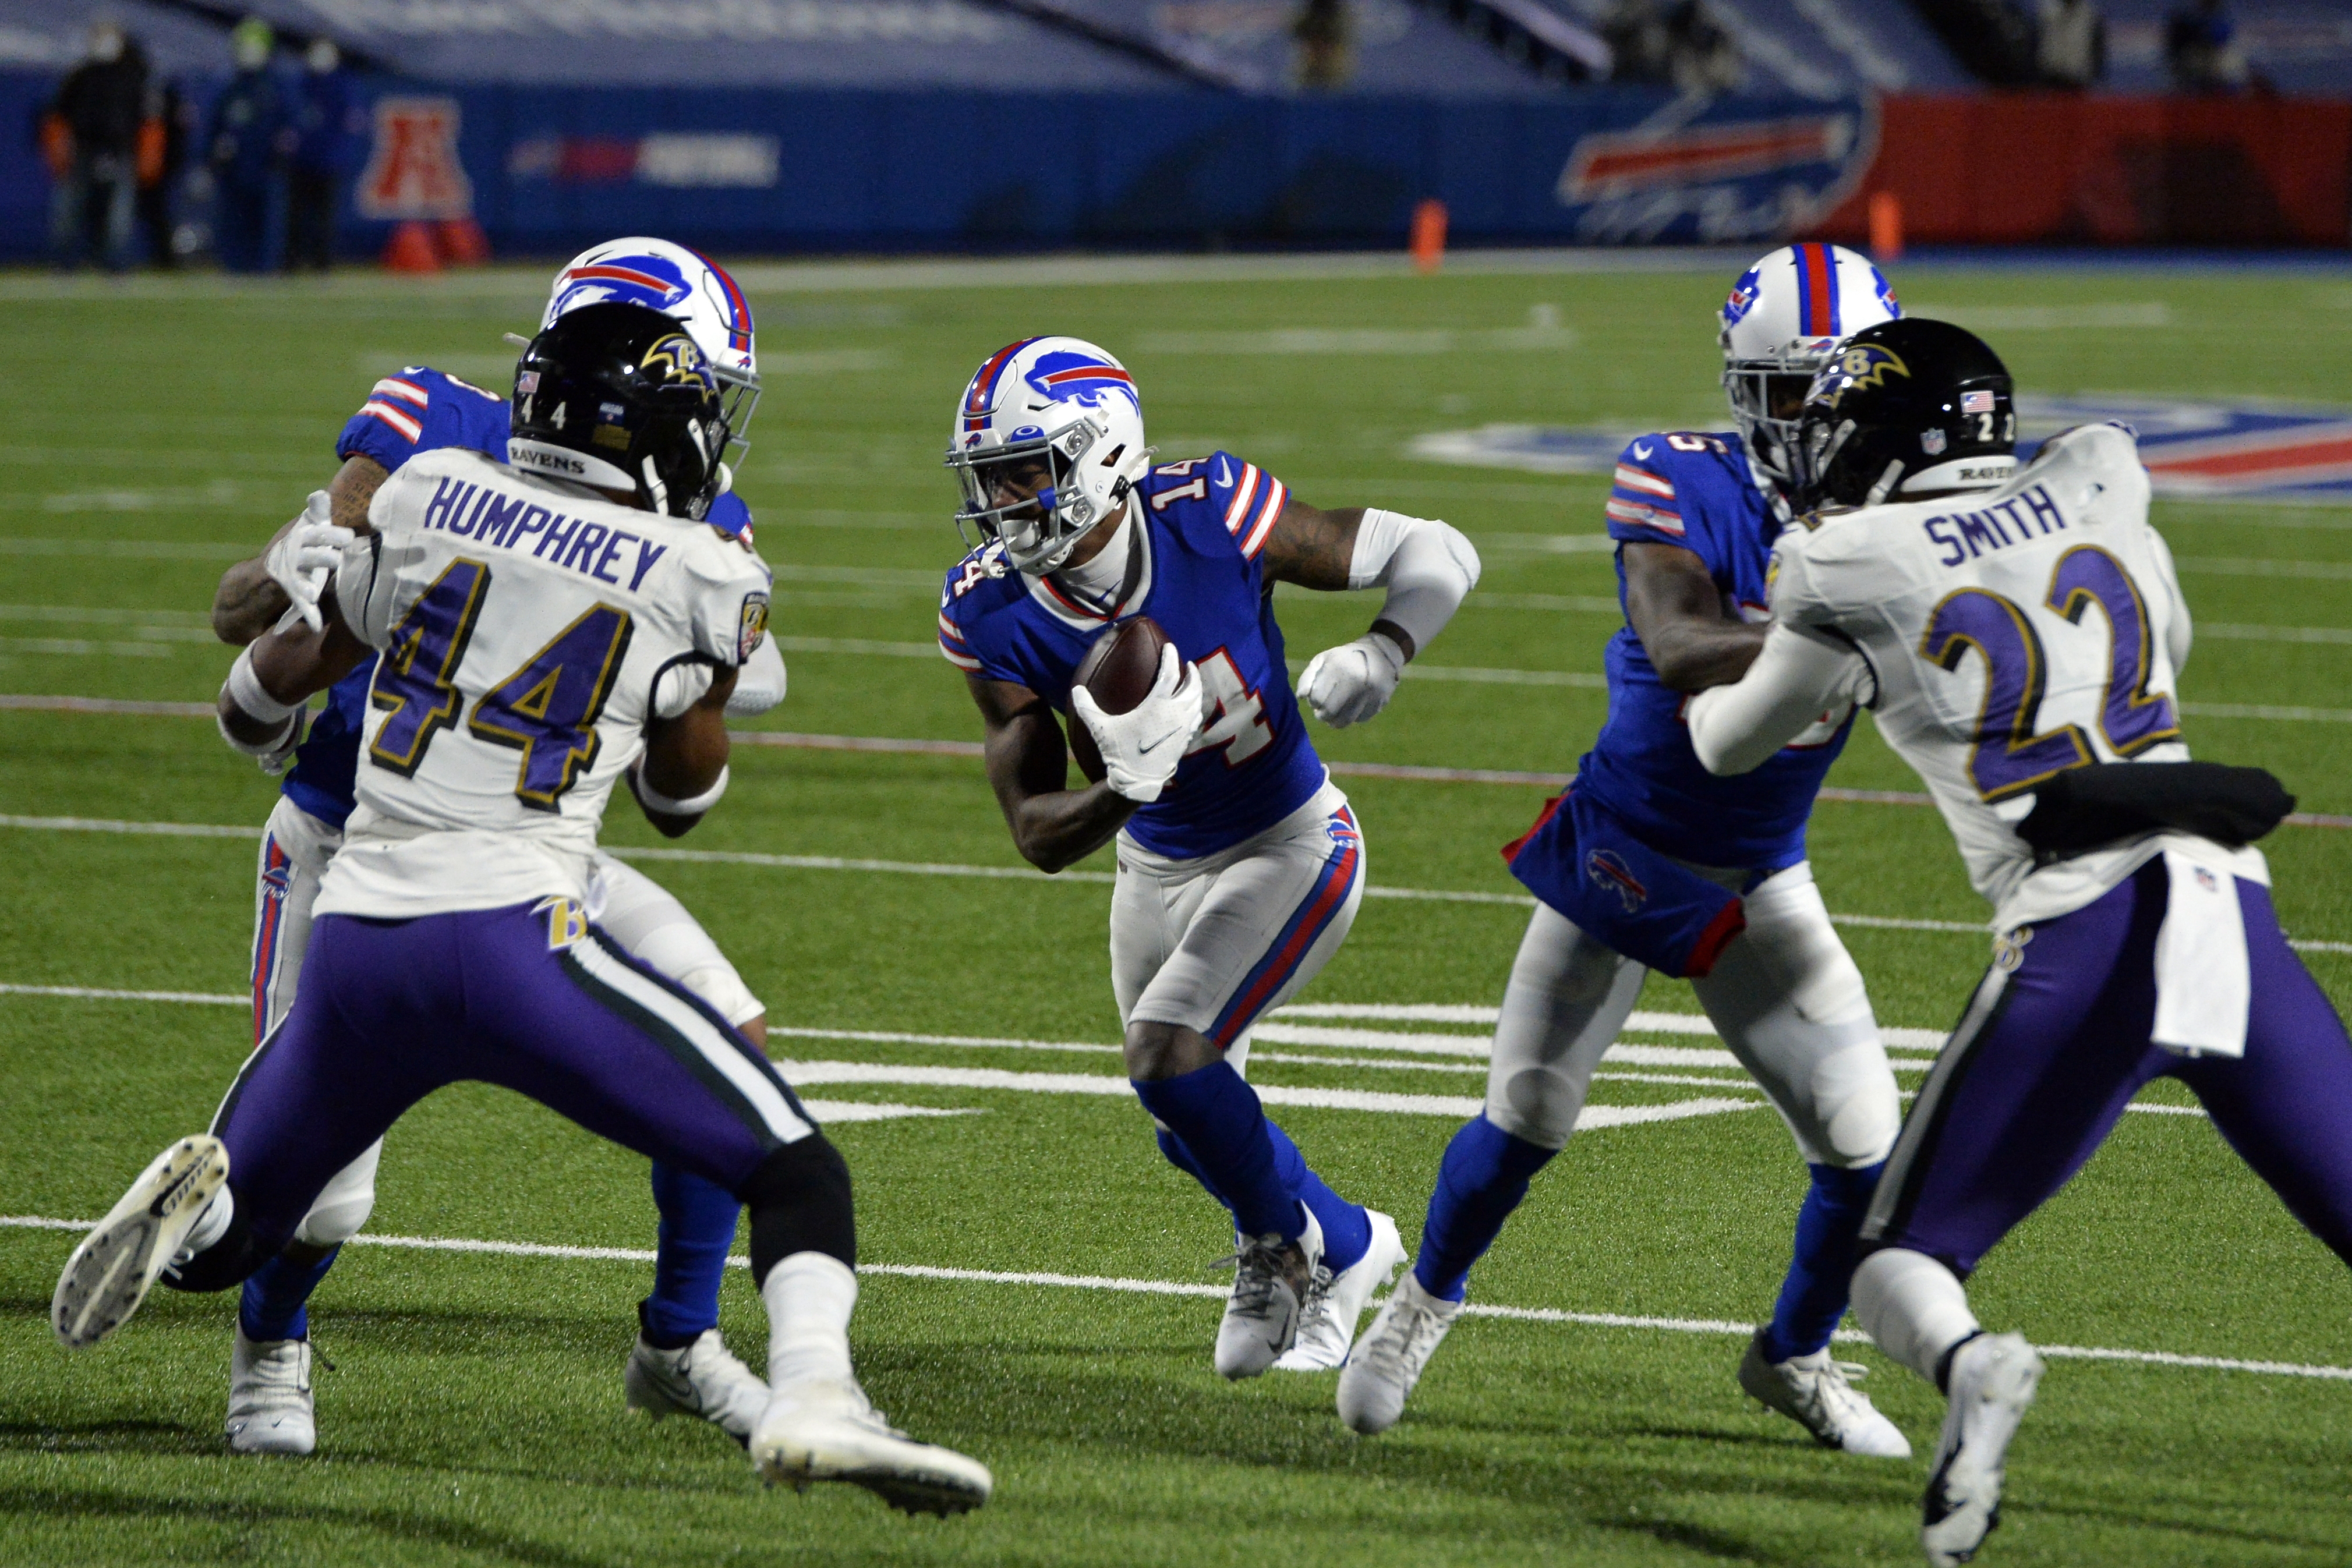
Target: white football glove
{"points": [[301, 562], [1349, 684], [1140, 748]]}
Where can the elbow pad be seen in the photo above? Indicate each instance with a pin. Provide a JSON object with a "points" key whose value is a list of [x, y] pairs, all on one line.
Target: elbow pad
{"points": [[1428, 567]]}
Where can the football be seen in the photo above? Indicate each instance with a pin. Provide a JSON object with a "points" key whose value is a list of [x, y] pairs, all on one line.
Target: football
{"points": [[1118, 669]]}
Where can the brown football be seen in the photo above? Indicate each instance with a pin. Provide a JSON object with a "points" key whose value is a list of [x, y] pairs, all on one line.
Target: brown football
{"points": [[1118, 669]]}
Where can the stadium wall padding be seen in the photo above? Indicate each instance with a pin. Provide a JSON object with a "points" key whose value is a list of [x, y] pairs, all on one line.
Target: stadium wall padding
{"points": [[554, 169], [2069, 169]]}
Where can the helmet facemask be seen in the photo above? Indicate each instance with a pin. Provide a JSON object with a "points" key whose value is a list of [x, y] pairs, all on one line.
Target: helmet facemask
{"points": [[1750, 384], [1038, 529]]}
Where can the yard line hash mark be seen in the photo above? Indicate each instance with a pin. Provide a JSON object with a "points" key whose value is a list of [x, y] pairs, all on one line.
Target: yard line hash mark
{"points": [[1716, 1326]]}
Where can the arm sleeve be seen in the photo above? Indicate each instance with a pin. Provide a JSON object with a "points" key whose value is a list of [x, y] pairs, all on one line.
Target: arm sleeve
{"points": [[1799, 675], [760, 686], [1428, 567]]}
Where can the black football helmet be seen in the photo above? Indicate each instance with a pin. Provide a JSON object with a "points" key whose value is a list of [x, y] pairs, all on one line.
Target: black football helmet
{"points": [[1904, 407], [619, 397]]}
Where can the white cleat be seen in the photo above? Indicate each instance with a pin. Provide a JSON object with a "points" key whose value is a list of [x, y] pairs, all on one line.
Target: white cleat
{"points": [[1335, 1303], [1273, 1281], [269, 1406], [1992, 1382], [110, 1272], [1392, 1355], [825, 1430], [1819, 1394], [702, 1379]]}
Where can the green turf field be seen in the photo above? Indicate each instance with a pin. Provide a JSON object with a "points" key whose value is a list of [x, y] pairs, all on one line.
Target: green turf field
{"points": [[473, 1412]]}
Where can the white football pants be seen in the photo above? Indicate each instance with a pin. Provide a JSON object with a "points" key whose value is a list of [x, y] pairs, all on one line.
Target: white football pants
{"points": [[1785, 996], [1212, 944], [632, 907]]}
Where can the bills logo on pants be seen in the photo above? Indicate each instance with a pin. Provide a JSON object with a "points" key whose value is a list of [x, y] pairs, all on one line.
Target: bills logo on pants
{"points": [[1609, 873]]}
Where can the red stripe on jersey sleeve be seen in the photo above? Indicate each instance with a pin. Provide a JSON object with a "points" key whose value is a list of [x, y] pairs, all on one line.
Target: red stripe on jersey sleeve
{"points": [[411, 429]]}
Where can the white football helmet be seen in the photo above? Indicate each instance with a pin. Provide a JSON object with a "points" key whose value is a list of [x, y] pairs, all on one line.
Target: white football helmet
{"points": [[689, 288], [1062, 404], [1785, 317]]}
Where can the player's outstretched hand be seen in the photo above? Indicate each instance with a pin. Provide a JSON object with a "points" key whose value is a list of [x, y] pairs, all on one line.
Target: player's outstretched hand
{"points": [[1349, 684], [1142, 747], [305, 557]]}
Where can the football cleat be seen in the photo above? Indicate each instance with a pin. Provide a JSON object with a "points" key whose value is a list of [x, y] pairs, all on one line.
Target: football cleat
{"points": [[1391, 1356], [825, 1430], [116, 1263], [1272, 1281], [1327, 1323], [1819, 1394], [701, 1379], [1992, 1382], [269, 1406]]}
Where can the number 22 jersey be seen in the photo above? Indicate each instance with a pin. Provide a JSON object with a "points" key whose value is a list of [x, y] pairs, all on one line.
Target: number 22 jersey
{"points": [[2013, 634], [1204, 524], [524, 624]]}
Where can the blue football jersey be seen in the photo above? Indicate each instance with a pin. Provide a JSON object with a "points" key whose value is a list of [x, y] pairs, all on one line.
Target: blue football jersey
{"points": [[419, 410], [1204, 525], [1697, 491]]}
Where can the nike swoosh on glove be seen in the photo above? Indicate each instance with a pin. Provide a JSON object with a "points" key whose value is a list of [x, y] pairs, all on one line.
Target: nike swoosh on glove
{"points": [[1142, 747], [1349, 684], [301, 562]]}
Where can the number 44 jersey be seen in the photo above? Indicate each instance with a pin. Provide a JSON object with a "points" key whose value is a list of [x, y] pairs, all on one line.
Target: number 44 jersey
{"points": [[1196, 573], [2013, 634], [525, 625]]}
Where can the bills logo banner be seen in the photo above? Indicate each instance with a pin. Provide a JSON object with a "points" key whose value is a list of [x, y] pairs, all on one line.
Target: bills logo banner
{"points": [[1717, 172], [2284, 453], [412, 169]]}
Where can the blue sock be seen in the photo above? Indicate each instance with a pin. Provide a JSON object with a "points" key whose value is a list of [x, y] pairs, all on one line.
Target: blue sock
{"points": [[1347, 1230], [1482, 1177], [1814, 1297], [697, 1227], [1181, 1158], [1217, 1118], [272, 1305]]}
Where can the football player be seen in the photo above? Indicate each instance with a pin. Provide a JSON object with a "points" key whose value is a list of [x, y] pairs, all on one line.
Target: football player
{"points": [[546, 628], [678, 1364], [2019, 633], [1240, 865], [1650, 862]]}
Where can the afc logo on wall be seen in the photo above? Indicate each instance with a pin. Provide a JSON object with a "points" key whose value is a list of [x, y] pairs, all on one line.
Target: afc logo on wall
{"points": [[413, 170]]}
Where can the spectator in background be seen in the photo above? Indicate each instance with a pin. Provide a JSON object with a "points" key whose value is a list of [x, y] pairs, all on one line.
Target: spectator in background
{"points": [[162, 158], [329, 122], [2200, 44], [2071, 49], [246, 153], [1703, 59], [1326, 54], [92, 137], [1640, 48]]}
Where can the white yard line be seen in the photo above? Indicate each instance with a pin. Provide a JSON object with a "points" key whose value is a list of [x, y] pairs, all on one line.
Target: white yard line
{"points": [[1114, 1284], [955, 869]]}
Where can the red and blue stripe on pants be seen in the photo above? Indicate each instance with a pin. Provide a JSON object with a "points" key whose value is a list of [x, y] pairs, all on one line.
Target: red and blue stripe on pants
{"points": [[1300, 933]]}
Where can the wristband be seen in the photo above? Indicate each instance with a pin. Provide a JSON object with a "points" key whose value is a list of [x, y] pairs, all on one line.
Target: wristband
{"points": [[653, 799], [245, 690]]}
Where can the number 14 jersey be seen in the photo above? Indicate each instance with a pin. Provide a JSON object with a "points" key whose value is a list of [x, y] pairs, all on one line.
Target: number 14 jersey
{"points": [[1204, 525], [2014, 633], [523, 624]]}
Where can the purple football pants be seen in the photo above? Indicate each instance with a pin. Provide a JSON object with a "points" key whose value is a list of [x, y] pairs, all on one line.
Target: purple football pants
{"points": [[2048, 1055], [533, 999]]}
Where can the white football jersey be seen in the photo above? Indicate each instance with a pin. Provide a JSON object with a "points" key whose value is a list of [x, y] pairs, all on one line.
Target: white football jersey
{"points": [[523, 623], [2013, 633]]}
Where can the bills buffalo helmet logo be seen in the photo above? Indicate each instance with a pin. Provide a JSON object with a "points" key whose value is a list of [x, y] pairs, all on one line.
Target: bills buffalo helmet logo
{"points": [[1058, 376], [1743, 299], [1609, 871], [676, 362], [1859, 366]]}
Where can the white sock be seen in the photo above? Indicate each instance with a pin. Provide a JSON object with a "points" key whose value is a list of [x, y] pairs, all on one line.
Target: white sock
{"points": [[1912, 1306], [210, 1226], [809, 1296]]}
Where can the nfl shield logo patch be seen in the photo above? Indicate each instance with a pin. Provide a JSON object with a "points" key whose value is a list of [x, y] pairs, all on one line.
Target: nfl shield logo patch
{"points": [[1931, 442]]}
